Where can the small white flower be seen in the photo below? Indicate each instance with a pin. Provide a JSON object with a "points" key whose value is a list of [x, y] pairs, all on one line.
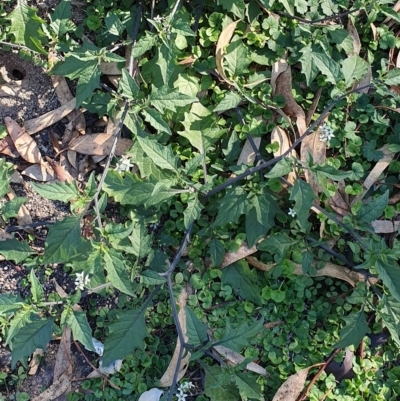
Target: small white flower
{"points": [[291, 212], [185, 386], [181, 396], [124, 164], [326, 133], [158, 19], [81, 281]]}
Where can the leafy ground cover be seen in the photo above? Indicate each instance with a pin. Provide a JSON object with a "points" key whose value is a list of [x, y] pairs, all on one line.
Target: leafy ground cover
{"points": [[251, 152]]}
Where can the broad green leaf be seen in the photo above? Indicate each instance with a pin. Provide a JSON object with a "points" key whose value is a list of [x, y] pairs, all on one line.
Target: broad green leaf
{"points": [[303, 196], [5, 172], [140, 239], [327, 66], [217, 251], [373, 209], [390, 313], [155, 119], [309, 68], [26, 27], [330, 172], [144, 44], [393, 77], [162, 191], [62, 241], [162, 156], [59, 191], [127, 189], [61, 19], [81, 330], [20, 319], [307, 259], [146, 167], [389, 12], [127, 333], [195, 330], [280, 169], [89, 80], [248, 386], [354, 331], [192, 211], [231, 206], [218, 385], [168, 99], [354, 68], [36, 288], [187, 84], [36, 334], [239, 337], [243, 281], [11, 208], [116, 272], [236, 7], [15, 250], [10, 303], [127, 86], [230, 101], [237, 57], [150, 277], [278, 244], [390, 275]]}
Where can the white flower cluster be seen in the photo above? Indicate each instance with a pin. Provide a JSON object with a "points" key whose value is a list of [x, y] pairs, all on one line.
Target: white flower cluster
{"points": [[124, 164], [183, 389], [81, 281], [326, 133]]}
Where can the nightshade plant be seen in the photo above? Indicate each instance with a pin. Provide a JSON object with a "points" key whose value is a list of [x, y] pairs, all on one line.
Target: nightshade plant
{"points": [[199, 83]]}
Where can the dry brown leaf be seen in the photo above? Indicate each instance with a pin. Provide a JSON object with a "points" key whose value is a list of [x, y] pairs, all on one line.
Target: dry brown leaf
{"points": [[114, 79], [292, 387], [277, 69], [167, 378], [374, 32], [313, 107], [242, 252], [7, 147], [247, 155], [4, 236], [330, 269], [50, 118], [23, 217], [59, 289], [223, 40], [398, 60], [271, 325], [100, 145], [374, 174], [339, 205], [187, 61], [60, 171], [35, 361], [110, 68], [38, 172], [26, 146], [235, 359], [63, 362], [365, 81], [385, 226], [351, 29], [55, 390], [317, 148]]}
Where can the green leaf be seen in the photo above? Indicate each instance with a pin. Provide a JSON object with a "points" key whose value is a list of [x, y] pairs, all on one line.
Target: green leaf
{"points": [[248, 386], [15, 250], [61, 19], [141, 241], [36, 288], [59, 191], [168, 99], [354, 331], [230, 101], [11, 208], [127, 333], [63, 240], [327, 66], [280, 169], [36, 334], [127, 86], [20, 319], [307, 258], [195, 330], [187, 84], [237, 57], [239, 337], [390, 276], [89, 80], [236, 7], [150, 277], [10, 303], [146, 167], [309, 68], [393, 77], [144, 44], [303, 195], [162, 156], [155, 119], [161, 192], [354, 68], [277, 244], [26, 27], [370, 151], [373, 209], [218, 386], [81, 330], [389, 12], [243, 281], [192, 211], [5, 172], [390, 313], [217, 252], [116, 272], [330, 172], [231, 206]]}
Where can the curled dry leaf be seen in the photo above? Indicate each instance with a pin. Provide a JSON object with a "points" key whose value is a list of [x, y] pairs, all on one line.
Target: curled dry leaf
{"points": [[342, 370], [374, 174], [277, 69], [35, 361], [25, 145], [330, 270], [167, 378], [313, 107], [63, 362], [351, 29], [385, 226], [110, 68], [100, 145], [62, 174], [58, 387], [292, 387], [247, 155], [23, 217], [242, 252], [7, 147], [39, 173], [223, 40], [235, 359]]}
